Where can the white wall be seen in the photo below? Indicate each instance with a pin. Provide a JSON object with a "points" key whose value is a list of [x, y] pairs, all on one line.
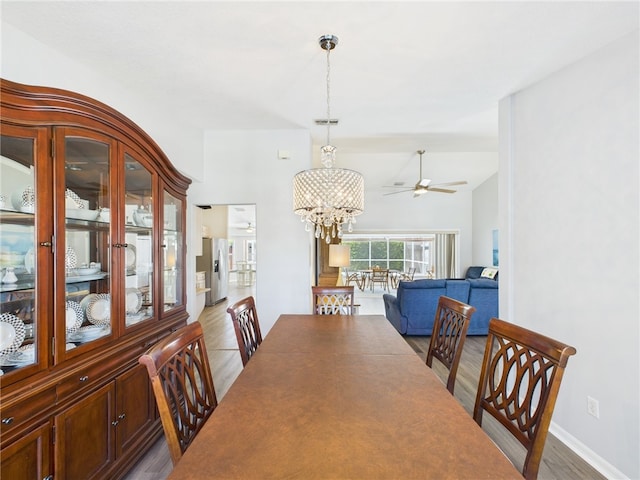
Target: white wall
{"points": [[485, 221], [26, 60], [569, 219], [403, 213], [243, 167]]}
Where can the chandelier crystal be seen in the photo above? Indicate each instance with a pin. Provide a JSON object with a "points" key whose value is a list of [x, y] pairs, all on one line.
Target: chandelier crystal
{"points": [[327, 198]]}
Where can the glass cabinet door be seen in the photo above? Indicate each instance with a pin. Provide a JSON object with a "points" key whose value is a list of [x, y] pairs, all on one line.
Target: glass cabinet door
{"points": [[23, 195], [172, 252], [139, 246], [87, 250]]}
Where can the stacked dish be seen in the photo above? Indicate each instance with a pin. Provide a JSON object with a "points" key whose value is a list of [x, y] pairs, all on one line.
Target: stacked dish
{"points": [[82, 214], [88, 333], [24, 356], [83, 271]]}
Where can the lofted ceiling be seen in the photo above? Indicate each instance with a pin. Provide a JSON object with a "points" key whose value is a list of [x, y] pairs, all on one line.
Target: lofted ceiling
{"points": [[405, 75]]}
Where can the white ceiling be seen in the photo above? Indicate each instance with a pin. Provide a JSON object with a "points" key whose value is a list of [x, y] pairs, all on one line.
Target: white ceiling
{"points": [[405, 75]]}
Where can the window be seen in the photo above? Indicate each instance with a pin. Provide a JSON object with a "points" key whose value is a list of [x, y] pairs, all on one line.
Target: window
{"points": [[395, 252]]}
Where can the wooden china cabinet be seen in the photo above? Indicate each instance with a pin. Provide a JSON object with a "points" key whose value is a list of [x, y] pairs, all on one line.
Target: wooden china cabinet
{"points": [[92, 222]]}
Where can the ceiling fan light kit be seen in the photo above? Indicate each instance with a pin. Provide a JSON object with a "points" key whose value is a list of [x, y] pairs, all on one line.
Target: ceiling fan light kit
{"points": [[424, 184], [326, 198]]}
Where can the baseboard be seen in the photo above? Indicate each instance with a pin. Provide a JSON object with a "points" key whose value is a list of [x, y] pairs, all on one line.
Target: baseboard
{"points": [[588, 455]]}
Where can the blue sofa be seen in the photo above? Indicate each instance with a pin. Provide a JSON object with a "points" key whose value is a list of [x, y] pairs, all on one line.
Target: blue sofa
{"points": [[413, 310]]}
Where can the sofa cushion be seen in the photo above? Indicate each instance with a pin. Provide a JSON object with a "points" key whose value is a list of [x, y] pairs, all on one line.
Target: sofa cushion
{"points": [[489, 272], [417, 302], [473, 272], [458, 290], [484, 296]]}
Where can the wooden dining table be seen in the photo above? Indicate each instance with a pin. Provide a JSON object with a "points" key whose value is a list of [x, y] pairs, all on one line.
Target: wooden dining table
{"points": [[340, 397]]}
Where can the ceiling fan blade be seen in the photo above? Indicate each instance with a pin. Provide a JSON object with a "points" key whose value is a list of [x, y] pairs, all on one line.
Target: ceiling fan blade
{"points": [[441, 190], [450, 184], [394, 186], [399, 191]]}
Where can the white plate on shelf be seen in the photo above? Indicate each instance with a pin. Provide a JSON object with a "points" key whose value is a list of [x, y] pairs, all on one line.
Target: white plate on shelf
{"points": [[25, 200], [133, 300], [131, 257], [74, 316], [11, 333], [29, 260], [98, 309], [70, 259]]}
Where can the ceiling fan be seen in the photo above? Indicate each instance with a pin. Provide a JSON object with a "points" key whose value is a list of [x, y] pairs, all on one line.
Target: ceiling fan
{"points": [[424, 184]]}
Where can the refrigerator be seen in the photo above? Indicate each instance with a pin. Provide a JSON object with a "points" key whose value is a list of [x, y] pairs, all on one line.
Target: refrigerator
{"points": [[214, 263]]}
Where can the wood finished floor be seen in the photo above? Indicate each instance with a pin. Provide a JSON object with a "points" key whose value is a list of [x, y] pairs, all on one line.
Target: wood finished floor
{"points": [[558, 461]]}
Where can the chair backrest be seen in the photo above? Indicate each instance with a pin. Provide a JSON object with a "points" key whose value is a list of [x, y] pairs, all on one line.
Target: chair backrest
{"points": [[180, 374], [331, 300], [411, 273], [449, 333], [380, 274], [247, 327], [354, 276], [519, 382]]}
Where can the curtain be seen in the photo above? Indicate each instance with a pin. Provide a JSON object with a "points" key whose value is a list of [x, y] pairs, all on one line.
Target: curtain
{"points": [[446, 255]]}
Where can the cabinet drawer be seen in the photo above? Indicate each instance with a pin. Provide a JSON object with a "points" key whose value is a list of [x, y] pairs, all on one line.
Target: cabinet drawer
{"points": [[85, 377], [16, 414]]}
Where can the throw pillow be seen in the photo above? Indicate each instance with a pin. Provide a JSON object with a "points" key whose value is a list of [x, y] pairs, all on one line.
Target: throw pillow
{"points": [[489, 272]]}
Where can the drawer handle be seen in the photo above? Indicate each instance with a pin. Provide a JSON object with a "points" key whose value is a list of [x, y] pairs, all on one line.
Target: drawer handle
{"points": [[84, 378], [115, 423], [7, 421], [48, 477], [121, 416]]}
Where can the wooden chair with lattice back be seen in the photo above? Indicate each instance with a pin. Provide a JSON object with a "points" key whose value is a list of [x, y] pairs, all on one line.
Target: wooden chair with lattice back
{"points": [[333, 300], [408, 275], [450, 327], [356, 277], [180, 374], [381, 276], [247, 327], [519, 381]]}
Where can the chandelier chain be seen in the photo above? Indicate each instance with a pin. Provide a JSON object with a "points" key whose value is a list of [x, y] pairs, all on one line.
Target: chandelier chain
{"points": [[328, 48]]}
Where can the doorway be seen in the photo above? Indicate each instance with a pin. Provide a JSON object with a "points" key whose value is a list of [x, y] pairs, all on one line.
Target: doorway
{"points": [[237, 224]]}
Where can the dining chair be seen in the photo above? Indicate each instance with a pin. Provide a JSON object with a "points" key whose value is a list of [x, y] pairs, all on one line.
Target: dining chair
{"points": [[519, 381], [449, 333], [180, 375], [408, 275], [357, 277], [247, 327], [381, 276], [332, 300]]}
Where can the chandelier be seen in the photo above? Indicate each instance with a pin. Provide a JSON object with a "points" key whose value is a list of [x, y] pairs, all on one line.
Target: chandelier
{"points": [[327, 198]]}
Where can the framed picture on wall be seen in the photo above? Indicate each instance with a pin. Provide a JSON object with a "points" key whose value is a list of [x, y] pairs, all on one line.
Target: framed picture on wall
{"points": [[495, 248]]}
